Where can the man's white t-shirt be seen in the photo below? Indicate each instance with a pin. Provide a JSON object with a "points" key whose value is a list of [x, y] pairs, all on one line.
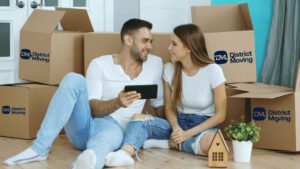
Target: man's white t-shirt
{"points": [[197, 90], [105, 80]]}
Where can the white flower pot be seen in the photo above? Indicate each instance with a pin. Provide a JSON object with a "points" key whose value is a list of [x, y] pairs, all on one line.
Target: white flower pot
{"points": [[242, 150]]}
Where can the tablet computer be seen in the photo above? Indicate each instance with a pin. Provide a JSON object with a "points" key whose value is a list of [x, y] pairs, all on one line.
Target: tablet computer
{"points": [[147, 91]]}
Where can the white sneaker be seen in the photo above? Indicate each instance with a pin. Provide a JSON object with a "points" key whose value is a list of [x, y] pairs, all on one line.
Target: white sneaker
{"points": [[86, 160], [26, 156], [119, 158]]}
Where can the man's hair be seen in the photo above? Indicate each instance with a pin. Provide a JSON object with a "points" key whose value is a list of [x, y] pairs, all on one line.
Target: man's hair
{"points": [[132, 25]]}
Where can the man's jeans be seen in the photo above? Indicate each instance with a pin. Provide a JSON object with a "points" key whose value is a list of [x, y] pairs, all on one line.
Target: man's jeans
{"points": [[69, 108], [138, 131]]}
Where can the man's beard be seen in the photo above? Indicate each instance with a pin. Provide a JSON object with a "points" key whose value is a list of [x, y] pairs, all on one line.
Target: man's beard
{"points": [[137, 55]]}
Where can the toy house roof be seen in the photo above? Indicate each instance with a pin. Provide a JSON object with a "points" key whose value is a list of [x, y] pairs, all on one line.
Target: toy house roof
{"points": [[222, 138]]}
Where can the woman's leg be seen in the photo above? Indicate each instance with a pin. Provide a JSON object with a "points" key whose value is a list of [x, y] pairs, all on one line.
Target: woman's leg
{"points": [[69, 106], [205, 142], [199, 144]]}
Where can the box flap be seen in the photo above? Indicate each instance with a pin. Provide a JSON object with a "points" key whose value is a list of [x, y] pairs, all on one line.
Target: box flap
{"points": [[297, 86], [262, 95], [259, 87], [222, 18], [246, 16], [75, 20], [43, 21]]}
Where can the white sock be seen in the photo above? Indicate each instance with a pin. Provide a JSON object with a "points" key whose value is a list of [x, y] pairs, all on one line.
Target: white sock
{"points": [[86, 160], [153, 143], [25, 156], [118, 159]]}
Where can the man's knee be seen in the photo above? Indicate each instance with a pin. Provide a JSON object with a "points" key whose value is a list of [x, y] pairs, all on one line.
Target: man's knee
{"points": [[141, 117], [73, 80]]}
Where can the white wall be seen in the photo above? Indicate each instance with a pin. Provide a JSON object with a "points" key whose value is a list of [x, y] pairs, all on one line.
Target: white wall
{"points": [[164, 14], [124, 10], [200, 2]]}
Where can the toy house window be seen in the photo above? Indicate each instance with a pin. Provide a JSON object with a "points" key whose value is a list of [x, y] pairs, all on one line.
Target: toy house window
{"points": [[221, 158], [214, 156]]}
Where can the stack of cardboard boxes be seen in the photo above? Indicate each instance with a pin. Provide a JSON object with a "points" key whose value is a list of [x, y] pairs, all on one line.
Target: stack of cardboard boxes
{"points": [[46, 55], [230, 42]]}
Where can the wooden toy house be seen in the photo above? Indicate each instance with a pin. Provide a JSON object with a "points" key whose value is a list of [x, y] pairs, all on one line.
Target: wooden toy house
{"points": [[218, 151]]}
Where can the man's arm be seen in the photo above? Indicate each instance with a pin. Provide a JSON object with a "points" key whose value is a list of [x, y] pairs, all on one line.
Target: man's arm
{"points": [[102, 108]]}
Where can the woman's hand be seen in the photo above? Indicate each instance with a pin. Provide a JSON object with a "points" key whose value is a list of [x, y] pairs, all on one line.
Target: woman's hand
{"points": [[178, 136]]}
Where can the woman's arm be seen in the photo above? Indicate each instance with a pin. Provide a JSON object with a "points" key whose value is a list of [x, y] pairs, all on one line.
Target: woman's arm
{"points": [[220, 101], [169, 110]]}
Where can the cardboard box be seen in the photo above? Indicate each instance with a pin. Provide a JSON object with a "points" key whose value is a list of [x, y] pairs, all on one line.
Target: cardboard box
{"points": [[23, 108], [229, 39], [99, 44], [237, 109], [276, 111], [46, 55]]}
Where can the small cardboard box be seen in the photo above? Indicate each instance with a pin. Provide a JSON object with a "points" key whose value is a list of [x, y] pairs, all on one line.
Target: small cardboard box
{"points": [[276, 111], [23, 108], [229, 39], [46, 55]]}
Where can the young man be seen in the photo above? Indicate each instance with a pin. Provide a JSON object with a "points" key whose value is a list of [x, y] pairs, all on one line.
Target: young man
{"points": [[102, 95]]}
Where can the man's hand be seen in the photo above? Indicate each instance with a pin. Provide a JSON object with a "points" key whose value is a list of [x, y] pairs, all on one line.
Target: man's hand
{"points": [[125, 99]]}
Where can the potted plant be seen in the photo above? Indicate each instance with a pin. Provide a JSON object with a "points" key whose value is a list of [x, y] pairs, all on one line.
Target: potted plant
{"points": [[243, 135]]}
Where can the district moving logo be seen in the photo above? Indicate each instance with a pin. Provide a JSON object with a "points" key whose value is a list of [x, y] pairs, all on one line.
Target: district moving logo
{"points": [[221, 57], [5, 109], [261, 114], [13, 110], [26, 54]]}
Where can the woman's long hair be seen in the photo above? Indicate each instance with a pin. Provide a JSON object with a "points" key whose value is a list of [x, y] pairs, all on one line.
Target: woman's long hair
{"points": [[192, 37]]}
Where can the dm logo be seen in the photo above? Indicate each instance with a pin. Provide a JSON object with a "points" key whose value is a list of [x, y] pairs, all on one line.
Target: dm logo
{"points": [[259, 114], [221, 57], [5, 109], [25, 54]]}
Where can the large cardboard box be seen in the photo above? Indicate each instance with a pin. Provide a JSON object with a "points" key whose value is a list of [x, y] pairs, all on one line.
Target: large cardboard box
{"points": [[229, 39], [47, 54], [237, 109], [23, 108], [276, 110], [98, 44]]}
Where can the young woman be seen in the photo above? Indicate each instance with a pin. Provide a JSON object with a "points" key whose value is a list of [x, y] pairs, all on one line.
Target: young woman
{"points": [[195, 102], [194, 91]]}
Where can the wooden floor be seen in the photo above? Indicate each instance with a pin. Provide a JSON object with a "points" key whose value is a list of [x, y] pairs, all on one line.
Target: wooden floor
{"points": [[63, 154]]}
